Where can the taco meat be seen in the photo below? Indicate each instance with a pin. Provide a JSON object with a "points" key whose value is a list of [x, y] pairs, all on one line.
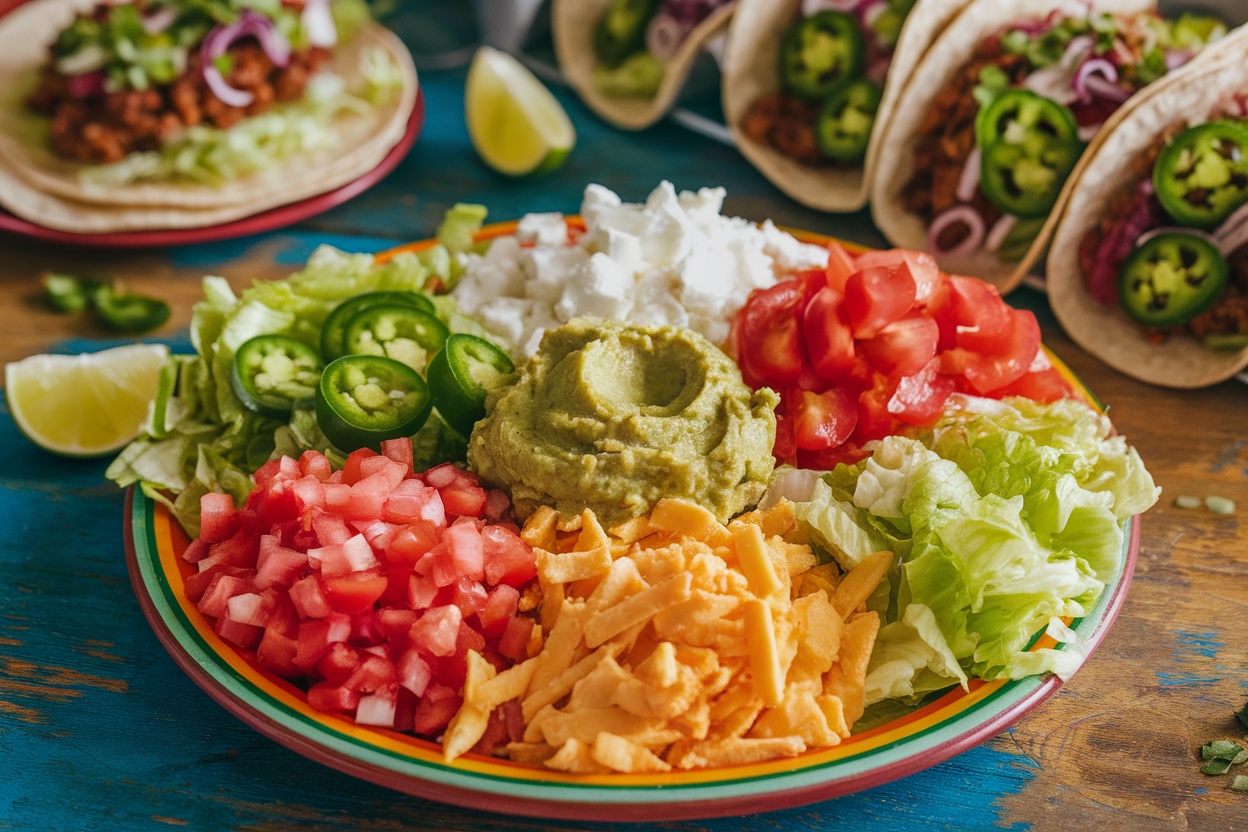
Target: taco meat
{"points": [[105, 126]]}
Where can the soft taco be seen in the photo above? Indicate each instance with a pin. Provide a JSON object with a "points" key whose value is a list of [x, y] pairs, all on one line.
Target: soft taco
{"points": [[628, 60], [975, 155], [808, 85], [1149, 265], [176, 113]]}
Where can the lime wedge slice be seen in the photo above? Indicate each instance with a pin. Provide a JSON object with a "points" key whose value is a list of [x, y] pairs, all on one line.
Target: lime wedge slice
{"points": [[516, 125], [84, 405]]}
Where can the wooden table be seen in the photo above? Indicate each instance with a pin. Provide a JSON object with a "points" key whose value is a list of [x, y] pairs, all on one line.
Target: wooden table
{"points": [[100, 729]]}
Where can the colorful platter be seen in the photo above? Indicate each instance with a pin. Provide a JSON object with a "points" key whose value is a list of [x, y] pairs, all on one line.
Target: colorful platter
{"points": [[894, 748]]}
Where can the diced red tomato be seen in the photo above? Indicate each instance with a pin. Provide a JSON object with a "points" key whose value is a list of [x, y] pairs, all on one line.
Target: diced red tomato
{"points": [[828, 335], [921, 396], [891, 332], [841, 264], [770, 346], [354, 581], [876, 297], [822, 420], [903, 347], [1003, 360], [218, 520]]}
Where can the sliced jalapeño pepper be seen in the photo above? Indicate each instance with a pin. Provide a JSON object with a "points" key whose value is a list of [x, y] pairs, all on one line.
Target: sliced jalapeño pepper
{"points": [[333, 329], [1028, 145], [363, 399], [1201, 176], [621, 31], [843, 127], [403, 333], [462, 374], [273, 372], [129, 313], [1171, 278], [820, 54]]}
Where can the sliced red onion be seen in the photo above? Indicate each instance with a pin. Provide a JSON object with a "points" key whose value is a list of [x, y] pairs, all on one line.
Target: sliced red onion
{"points": [[1175, 58], [85, 84], [318, 24], [1052, 82], [969, 180], [1078, 49], [159, 20], [963, 214], [664, 34], [1097, 76], [218, 41], [1088, 131], [1174, 229], [999, 231]]}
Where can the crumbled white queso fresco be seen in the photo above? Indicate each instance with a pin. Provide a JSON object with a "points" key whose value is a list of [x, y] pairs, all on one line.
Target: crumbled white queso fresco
{"points": [[674, 260]]}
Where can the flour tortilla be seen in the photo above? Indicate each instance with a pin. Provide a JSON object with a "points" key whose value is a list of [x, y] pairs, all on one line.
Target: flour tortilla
{"points": [[944, 59], [572, 26], [751, 70], [1192, 93], [363, 140]]}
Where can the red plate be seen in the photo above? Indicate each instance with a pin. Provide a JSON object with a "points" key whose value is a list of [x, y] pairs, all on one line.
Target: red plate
{"points": [[278, 217]]}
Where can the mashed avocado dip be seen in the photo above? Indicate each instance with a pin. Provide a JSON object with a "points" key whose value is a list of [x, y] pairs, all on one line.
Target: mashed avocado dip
{"points": [[613, 417]]}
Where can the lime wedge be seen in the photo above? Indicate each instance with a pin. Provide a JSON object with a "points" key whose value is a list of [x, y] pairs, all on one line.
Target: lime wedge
{"points": [[516, 125], [84, 405]]}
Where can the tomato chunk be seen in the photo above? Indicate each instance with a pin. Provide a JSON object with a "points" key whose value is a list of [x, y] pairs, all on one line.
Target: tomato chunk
{"points": [[876, 297]]}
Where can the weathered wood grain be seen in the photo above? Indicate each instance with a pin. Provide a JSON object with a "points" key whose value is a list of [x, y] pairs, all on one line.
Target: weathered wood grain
{"points": [[99, 729]]}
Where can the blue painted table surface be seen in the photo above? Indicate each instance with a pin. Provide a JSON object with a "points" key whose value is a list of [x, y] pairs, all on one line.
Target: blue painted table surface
{"points": [[99, 729]]}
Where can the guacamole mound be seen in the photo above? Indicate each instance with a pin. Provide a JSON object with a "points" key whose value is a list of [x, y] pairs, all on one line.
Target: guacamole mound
{"points": [[614, 417]]}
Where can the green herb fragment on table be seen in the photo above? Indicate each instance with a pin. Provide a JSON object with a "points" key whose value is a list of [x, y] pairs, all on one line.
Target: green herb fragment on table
{"points": [[1187, 501], [1240, 783], [1220, 505], [1242, 715]]}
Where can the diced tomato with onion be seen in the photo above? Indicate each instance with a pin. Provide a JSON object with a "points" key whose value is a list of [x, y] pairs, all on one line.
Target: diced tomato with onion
{"points": [[875, 344], [369, 584]]}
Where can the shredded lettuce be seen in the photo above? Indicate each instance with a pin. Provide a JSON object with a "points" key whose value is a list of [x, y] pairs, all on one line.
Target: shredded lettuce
{"points": [[1006, 516], [209, 441]]}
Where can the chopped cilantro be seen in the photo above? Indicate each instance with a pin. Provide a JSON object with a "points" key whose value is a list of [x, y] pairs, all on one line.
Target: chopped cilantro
{"points": [[1240, 783]]}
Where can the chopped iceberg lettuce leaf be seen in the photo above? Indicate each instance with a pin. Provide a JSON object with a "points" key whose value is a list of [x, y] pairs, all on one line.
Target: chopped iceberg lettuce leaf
{"points": [[1008, 516]]}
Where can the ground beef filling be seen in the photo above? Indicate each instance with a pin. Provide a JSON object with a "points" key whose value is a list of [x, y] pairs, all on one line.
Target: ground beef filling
{"points": [[945, 140], [786, 123], [106, 127]]}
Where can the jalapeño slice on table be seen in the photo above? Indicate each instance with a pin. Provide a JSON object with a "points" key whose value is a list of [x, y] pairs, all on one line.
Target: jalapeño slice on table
{"points": [[396, 331], [621, 31], [273, 372], [1201, 177], [129, 313], [1028, 145], [843, 127], [820, 54], [333, 329], [462, 374], [1171, 278], [363, 399]]}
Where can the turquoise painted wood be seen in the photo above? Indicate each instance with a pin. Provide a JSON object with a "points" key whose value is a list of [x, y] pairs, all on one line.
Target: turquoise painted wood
{"points": [[99, 729]]}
